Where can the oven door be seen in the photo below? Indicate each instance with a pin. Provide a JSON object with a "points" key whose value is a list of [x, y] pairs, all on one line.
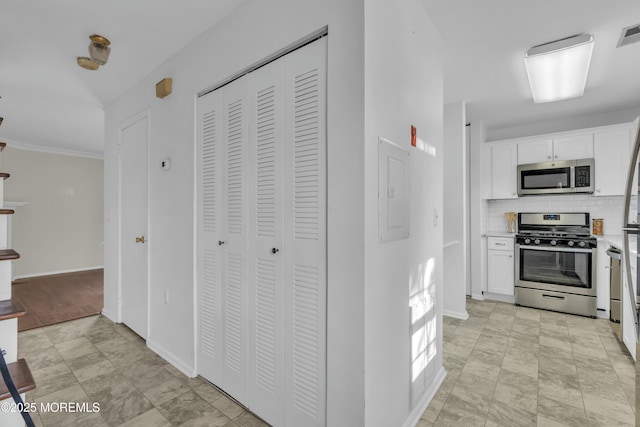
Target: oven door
{"points": [[556, 269]]}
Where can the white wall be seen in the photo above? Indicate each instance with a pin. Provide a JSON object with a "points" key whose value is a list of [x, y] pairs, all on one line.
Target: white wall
{"points": [[403, 87], [609, 208], [477, 209], [455, 211], [551, 126], [254, 31], [61, 227]]}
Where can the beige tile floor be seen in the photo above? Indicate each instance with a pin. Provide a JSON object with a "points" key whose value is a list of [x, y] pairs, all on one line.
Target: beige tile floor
{"points": [[507, 366], [94, 360], [516, 366]]}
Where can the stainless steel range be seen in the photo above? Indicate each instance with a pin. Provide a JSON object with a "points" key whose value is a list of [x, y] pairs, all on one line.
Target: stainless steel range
{"points": [[555, 262]]}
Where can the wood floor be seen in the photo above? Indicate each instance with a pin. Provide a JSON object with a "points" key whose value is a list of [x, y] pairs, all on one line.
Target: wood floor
{"points": [[58, 298]]}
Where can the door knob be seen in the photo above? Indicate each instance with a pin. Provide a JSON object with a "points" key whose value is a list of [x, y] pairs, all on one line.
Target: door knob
{"points": [[220, 242], [275, 250], [140, 239]]}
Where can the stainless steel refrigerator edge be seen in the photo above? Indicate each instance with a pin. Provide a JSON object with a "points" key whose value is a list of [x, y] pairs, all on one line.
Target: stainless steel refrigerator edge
{"points": [[632, 228]]}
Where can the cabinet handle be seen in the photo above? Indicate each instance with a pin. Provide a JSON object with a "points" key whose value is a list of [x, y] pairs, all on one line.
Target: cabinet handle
{"points": [[275, 250], [548, 157], [510, 256], [220, 242], [500, 244]]}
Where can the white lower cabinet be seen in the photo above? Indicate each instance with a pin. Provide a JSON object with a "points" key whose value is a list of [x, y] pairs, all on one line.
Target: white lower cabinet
{"points": [[500, 266], [602, 279]]}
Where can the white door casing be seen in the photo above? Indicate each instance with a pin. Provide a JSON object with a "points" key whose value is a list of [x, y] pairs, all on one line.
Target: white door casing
{"points": [[134, 139]]}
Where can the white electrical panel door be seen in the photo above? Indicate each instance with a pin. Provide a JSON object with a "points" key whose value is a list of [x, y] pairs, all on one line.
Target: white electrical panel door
{"points": [[393, 191]]}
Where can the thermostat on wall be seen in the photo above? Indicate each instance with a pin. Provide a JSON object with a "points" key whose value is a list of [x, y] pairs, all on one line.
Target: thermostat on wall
{"points": [[165, 164]]}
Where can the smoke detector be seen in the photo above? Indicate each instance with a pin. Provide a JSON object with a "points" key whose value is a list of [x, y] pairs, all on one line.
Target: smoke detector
{"points": [[629, 35]]}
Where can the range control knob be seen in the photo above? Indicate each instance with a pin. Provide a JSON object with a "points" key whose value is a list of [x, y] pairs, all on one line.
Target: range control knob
{"points": [[570, 243], [582, 244], [537, 241], [553, 242], [527, 241]]}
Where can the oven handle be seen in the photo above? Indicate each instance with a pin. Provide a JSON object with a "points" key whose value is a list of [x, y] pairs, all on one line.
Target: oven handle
{"points": [[552, 296], [555, 249]]}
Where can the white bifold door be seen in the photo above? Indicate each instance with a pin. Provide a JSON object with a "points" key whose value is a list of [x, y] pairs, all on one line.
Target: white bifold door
{"points": [[262, 238]]}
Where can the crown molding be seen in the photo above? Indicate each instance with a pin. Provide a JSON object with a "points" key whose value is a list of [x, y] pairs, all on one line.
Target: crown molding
{"points": [[53, 150]]}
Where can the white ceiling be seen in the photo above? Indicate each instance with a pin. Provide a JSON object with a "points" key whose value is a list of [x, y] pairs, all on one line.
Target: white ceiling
{"points": [[47, 100], [485, 42]]}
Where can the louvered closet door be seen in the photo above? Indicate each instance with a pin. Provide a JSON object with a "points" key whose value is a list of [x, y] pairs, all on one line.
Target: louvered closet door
{"points": [[266, 334], [223, 250], [235, 300], [305, 235], [209, 231]]}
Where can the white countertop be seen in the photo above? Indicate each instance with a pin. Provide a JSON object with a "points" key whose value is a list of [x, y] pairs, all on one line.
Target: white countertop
{"points": [[499, 234], [616, 241]]}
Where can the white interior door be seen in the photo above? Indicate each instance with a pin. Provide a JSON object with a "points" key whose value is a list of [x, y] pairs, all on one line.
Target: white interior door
{"points": [[266, 336], [222, 240], [235, 300], [209, 172], [305, 237], [262, 238], [134, 138]]}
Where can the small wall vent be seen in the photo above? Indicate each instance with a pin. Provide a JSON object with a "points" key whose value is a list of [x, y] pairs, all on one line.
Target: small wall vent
{"points": [[629, 35]]}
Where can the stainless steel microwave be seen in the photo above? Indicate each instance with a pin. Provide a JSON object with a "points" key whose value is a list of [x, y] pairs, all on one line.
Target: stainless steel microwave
{"points": [[566, 176]]}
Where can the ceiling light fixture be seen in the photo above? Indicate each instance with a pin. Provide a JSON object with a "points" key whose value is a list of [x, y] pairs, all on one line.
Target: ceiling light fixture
{"points": [[558, 70], [98, 53]]}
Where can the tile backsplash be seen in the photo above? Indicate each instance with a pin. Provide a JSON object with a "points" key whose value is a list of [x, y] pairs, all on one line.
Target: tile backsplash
{"points": [[609, 208]]}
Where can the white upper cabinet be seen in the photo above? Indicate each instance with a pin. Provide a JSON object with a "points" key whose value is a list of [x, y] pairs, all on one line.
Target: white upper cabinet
{"points": [[573, 147], [504, 159], [561, 148], [535, 151], [611, 152]]}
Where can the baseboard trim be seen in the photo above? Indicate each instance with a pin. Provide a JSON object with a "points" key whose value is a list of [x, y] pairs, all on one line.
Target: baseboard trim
{"points": [[456, 314], [54, 273], [511, 299], [186, 369], [479, 297], [423, 403], [109, 315]]}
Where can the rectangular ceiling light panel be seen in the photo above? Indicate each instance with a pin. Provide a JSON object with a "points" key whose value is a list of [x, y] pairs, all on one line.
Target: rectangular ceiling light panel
{"points": [[558, 70]]}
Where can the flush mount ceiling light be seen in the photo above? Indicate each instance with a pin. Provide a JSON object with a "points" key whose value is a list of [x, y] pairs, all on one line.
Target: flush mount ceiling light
{"points": [[558, 70], [98, 53]]}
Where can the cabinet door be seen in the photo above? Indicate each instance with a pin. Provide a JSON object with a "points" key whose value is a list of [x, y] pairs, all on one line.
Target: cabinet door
{"points": [[500, 279], [603, 277], [504, 167], [611, 153], [573, 147], [535, 151]]}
